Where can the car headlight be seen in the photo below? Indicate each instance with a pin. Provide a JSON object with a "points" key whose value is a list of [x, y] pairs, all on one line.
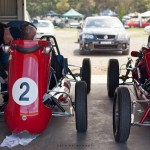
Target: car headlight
{"points": [[88, 36], [122, 36]]}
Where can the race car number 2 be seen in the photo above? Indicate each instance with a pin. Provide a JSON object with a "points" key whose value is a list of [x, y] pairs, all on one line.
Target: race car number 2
{"points": [[24, 91]]}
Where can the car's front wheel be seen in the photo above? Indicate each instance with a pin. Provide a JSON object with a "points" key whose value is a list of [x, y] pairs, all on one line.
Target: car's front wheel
{"points": [[121, 114], [125, 52], [81, 113], [82, 52]]}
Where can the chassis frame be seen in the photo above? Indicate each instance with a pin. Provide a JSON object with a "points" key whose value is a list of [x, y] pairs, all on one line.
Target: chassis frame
{"points": [[120, 92]]}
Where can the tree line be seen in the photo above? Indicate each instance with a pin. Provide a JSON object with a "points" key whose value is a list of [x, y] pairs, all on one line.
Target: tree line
{"points": [[87, 7]]}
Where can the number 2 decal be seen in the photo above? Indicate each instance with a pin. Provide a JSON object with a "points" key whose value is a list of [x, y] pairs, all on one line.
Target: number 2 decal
{"points": [[22, 97], [25, 91]]}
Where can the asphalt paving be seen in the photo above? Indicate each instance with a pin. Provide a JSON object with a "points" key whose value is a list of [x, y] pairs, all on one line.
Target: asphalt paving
{"points": [[61, 132]]}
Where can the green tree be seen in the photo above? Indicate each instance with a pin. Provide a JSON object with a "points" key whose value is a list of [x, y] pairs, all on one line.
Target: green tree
{"points": [[62, 6], [38, 7], [138, 6], [87, 7], [147, 3], [121, 10], [73, 3]]}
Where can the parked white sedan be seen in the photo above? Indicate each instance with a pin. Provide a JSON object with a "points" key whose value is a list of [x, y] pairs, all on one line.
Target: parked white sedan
{"points": [[44, 27], [74, 23]]}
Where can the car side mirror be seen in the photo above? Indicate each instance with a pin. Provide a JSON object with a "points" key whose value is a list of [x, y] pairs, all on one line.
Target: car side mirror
{"points": [[134, 53]]}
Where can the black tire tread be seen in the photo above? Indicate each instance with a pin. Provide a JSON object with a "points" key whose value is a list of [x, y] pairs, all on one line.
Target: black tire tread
{"points": [[86, 73], [112, 76], [81, 106], [122, 96]]}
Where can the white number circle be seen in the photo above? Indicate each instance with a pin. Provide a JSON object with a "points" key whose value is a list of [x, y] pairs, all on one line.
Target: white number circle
{"points": [[24, 91]]}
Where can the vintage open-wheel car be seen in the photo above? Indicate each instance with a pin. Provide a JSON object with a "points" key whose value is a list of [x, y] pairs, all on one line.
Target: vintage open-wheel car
{"points": [[133, 77], [39, 87]]}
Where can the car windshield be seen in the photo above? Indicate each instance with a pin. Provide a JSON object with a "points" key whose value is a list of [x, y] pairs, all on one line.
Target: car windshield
{"points": [[103, 23], [42, 24]]}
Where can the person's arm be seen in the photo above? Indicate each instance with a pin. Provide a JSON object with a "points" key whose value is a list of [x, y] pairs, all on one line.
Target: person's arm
{"points": [[7, 36], [3, 73]]}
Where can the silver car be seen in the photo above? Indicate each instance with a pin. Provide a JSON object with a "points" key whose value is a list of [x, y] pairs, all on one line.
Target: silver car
{"points": [[103, 33]]}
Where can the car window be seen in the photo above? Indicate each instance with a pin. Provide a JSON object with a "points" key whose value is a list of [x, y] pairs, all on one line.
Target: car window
{"points": [[42, 24], [103, 23]]}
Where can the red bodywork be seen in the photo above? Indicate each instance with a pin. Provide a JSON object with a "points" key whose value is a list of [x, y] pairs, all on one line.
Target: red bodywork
{"points": [[142, 94], [34, 66], [136, 23], [132, 23]]}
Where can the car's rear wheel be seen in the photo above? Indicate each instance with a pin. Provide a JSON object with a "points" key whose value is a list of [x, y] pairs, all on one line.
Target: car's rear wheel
{"points": [[86, 73], [112, 76]]}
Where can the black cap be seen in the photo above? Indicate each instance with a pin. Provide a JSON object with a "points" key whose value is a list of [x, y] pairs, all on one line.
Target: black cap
{"points": [[3, 25]]}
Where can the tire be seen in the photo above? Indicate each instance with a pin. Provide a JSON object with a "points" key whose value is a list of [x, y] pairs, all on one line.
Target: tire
{"points": [[84, 52], [125, 52], [112, 76], [86, 73], [81, 52], [121, 114], [81, 106]]}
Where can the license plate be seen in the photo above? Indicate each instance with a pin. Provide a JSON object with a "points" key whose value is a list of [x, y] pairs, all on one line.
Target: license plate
{"points": [[105, 42]]}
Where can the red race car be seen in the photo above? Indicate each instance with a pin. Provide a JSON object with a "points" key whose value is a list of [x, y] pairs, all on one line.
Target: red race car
{"points": [[119, 85], [39, 83]]}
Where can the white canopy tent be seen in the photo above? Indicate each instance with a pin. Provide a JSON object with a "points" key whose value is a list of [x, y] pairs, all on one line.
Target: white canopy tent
{"points": [[145, 14]]}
